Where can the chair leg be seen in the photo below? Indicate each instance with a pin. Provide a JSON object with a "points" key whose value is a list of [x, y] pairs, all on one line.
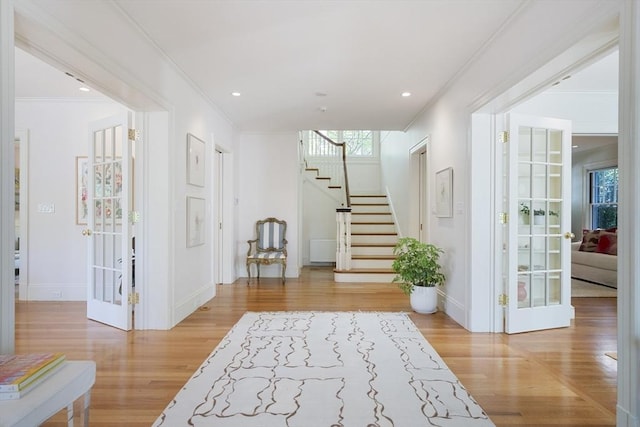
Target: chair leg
{"points": [[248, 273], [284, 269]]}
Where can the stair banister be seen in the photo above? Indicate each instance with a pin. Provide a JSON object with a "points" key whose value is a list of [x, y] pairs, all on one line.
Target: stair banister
{"points": [[342, 146]]}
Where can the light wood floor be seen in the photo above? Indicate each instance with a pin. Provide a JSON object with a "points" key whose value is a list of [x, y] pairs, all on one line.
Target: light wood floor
{"points": [[558, 377]]}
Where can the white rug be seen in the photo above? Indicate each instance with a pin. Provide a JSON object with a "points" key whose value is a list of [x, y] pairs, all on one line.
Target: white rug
{"points": [[324, 369]]}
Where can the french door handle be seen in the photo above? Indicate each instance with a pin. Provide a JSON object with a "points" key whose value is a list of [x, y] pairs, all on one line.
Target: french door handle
{"points": [[569, 235], [86, 232]]}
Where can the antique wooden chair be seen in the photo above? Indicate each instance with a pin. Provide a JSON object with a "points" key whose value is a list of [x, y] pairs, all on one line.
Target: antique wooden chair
{"points": [[269, 246]]}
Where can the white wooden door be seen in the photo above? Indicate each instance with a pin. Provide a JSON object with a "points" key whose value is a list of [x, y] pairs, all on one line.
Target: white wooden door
{"points": [[108, 229], [538, 239], [219, 197], [422, 195]]}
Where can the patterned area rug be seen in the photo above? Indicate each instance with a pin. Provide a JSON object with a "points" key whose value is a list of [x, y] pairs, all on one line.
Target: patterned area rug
{"points": [[323, 369]]}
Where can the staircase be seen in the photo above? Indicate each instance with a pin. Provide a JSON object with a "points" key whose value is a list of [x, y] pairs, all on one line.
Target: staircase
{"points": [[373, 236], [373, 232]]}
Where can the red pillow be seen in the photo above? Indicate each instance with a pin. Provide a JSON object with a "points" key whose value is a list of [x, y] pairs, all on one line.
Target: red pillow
{"points": [[608, 244], [591, 238]]}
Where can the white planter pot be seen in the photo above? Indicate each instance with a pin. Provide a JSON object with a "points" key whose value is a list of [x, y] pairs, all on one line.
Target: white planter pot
{"points": [[538, 219], [424, 299]]}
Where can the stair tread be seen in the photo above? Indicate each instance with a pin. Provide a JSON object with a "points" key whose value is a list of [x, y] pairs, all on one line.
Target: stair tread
{"points": [[366, 270], [364, 257], [368, 195], [373, 245], [372, 223], [368, 233], [370, 213]]}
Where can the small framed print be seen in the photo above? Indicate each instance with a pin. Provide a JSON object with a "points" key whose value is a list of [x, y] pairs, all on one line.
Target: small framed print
{"points": [[82, 176], [195, 221], [444, 193], [195, 160]]}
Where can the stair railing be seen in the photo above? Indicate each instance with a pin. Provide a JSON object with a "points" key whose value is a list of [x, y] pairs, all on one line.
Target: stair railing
{"points": [[336, 153]]}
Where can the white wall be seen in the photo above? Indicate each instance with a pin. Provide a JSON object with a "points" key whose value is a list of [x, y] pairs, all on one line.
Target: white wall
{"points": [[58, 132], [318, 214], [267, 173], [395, 171], [590, 113]]}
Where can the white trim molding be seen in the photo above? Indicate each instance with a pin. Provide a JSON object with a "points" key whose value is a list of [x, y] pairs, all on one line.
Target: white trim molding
{"points": [[628, 405], [7, 224]]}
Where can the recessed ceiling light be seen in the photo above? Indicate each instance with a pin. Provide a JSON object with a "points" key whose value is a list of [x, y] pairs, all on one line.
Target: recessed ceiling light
{"points": [[406, 94], [235, 93], [84, 89]]}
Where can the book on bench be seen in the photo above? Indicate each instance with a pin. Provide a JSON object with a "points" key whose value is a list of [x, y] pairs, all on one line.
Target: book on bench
{"points": [[20, 373]]}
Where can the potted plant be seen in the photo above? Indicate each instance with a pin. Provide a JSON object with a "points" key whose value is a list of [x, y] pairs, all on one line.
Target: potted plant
{"points": [[524, 213], [538, 216], [418, 272]]}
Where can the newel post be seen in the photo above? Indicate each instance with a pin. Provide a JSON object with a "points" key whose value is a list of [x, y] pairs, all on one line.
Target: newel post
{"points": [[343, 239]]}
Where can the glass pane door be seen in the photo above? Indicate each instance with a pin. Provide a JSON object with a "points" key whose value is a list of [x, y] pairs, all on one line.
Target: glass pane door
{"points": [[539, 201], [109, 257], [539, 181]]}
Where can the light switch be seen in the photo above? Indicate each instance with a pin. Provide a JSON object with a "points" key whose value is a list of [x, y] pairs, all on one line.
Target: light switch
{"points": [[46, 208]]}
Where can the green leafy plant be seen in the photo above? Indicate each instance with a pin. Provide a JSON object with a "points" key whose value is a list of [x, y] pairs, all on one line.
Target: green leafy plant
{"points": [[416, 264], [538, 212], [554, 213], [524, 209]]}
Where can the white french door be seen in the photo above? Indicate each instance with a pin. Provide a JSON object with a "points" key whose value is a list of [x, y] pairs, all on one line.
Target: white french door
{"points": [[537, 243], [108, 229]]}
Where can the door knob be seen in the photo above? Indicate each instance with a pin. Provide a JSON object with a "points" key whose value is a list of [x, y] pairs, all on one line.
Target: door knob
{"points": [[86, 232], [569, 235]]}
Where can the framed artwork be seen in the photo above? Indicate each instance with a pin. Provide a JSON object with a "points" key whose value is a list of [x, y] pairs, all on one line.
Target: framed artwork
{"points": [[195, 160], [108, 186], [82, 177], [444, 193], [195, 221], [16, 185]]}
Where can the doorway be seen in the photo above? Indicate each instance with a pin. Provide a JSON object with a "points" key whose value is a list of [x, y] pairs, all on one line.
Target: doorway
{"points": [[419, 190], [52, 250]]}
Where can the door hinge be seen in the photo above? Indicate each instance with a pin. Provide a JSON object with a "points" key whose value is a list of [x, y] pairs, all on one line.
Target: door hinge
{"points": [[503, 300], [134, 216], [133, 134], [503, 136], [503, 217], [134, 298]]}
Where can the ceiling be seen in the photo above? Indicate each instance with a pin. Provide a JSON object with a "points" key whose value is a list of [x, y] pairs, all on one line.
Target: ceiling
{"points": [[308, 64]]}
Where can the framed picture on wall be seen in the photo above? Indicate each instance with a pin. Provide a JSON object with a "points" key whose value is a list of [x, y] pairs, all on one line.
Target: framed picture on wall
{"points": [[195, 160], [82, 203], [444, 193], [195, 221]]}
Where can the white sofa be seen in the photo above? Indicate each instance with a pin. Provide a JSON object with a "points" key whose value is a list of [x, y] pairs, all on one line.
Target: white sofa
{"points": [[594, 267]]}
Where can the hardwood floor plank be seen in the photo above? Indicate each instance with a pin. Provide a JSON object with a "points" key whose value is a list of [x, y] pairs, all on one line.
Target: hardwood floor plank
{"points": [[559, 377]]}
